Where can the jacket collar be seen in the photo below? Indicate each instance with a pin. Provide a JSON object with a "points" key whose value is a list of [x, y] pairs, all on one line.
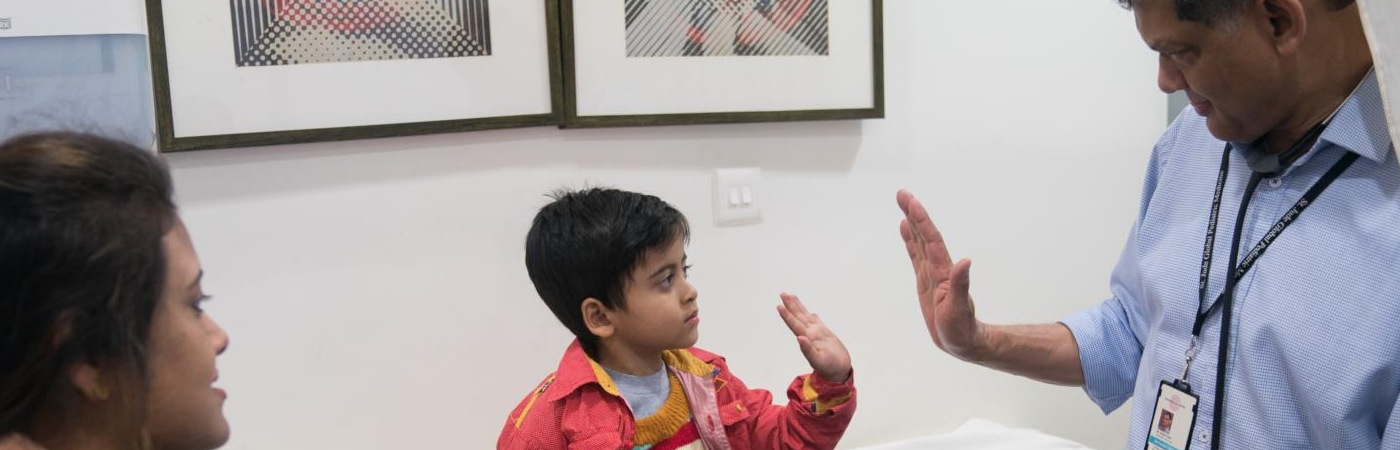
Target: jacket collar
{"points": [[577, 370]]}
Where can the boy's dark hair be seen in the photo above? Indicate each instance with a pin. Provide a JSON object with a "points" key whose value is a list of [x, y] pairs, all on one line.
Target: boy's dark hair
{"points": [[586, 243], [81, 265]]}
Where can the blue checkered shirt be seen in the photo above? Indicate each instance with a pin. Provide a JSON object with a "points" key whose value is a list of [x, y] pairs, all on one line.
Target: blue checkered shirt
{"points": [[1314, 356]]}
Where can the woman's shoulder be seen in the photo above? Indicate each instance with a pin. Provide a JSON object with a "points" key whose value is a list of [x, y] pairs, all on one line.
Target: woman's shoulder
{"points": [[17, 441]]}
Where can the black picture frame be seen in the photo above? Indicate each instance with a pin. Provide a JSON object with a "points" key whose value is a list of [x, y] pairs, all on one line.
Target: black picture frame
{"points": [[572, 118], [168, 141]]}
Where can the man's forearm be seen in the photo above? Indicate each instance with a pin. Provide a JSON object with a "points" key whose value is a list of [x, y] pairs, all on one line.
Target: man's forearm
{"points": [[1042, 352]]}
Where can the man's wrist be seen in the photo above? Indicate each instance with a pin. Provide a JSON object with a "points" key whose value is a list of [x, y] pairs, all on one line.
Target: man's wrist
{"points": [[983, 345]]}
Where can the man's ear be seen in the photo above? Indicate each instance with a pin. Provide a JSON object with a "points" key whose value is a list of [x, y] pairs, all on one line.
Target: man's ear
{"points": [[88, 380], [598, 318], [1288, 23]]}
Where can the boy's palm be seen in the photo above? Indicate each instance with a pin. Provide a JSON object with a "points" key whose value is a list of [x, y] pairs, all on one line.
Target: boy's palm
{"points": [[824, 351]]}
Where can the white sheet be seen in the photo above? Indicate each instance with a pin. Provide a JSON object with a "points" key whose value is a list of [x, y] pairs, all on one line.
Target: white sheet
{"points": [[1380, 17], [981, 434]]}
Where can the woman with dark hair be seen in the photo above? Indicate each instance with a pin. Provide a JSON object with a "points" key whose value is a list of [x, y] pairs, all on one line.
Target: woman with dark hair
{"points": [[103, 344]]}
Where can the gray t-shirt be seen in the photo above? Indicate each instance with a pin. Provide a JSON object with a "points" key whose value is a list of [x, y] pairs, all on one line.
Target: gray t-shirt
{"points": [[644, 394]]}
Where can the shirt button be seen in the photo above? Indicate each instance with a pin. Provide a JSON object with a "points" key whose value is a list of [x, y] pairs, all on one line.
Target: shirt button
{"points": [[1204, 437], [1275, 182]]}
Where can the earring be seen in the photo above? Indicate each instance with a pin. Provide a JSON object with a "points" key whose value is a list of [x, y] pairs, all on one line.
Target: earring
{"points": [[100, 393]]}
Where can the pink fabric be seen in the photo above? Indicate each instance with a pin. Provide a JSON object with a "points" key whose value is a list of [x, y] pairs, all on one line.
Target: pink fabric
{"points": [[704, 409]]}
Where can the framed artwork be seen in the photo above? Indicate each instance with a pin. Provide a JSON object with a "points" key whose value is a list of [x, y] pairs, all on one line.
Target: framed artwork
{"points": [[234, 73], [666, 62]]}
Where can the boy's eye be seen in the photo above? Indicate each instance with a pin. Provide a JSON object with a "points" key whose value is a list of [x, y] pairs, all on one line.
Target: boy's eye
{"points": [[670, 278]]}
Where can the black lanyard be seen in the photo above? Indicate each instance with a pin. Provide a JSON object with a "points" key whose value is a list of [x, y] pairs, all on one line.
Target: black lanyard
{"points": [[1236, 271]]}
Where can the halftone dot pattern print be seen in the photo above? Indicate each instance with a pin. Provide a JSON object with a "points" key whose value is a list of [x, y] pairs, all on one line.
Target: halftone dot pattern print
{"points": [[283, 32]]}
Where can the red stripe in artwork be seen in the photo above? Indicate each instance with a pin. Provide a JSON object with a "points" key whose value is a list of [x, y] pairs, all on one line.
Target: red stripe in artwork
{"points": [[696, 35], [786, 14]]}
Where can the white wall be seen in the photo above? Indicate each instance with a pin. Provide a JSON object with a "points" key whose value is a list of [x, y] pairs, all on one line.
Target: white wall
{"points": [[376, 294]]}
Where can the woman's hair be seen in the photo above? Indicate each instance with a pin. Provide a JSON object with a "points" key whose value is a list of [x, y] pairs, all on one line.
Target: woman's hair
{"points": [[81, 266]]}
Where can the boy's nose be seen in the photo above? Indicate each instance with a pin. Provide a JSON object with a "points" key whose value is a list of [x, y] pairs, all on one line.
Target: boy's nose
{"points": [[692, 294]]}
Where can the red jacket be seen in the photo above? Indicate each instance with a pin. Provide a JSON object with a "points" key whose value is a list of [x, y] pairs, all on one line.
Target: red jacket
{"points": [[579, 408]]}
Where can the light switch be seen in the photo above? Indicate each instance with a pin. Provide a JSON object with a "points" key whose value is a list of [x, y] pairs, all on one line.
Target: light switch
{"points": [[736, 196]]}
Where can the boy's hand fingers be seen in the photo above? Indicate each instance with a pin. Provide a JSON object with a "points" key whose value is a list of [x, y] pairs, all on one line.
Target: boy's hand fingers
{"points": [[806, 346], [797, 326], [795, 305]]}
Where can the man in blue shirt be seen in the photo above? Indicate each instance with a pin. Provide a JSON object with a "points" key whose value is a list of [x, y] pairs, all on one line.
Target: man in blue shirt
{"points": [[1270, 211]]}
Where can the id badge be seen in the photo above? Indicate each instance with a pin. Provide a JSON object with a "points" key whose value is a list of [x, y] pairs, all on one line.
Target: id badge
{"points": [[1173, 419]]}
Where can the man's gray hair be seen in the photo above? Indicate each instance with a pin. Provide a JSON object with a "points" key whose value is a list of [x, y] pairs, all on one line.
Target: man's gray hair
{"points": [[1211, 12]]}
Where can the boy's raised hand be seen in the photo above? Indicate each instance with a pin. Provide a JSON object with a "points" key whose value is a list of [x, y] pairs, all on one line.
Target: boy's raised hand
{"points": [[824, 351]]}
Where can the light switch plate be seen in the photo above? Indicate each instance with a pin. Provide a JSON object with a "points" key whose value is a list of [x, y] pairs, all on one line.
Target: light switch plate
{"points": [[737, 196]]}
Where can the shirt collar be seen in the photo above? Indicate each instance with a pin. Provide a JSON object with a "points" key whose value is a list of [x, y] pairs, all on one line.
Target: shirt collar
{"points": [[1359, 126]]}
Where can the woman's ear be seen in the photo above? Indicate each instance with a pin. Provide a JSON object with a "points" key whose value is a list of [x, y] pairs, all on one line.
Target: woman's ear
{"points": [[598, 318], [87, 378]]}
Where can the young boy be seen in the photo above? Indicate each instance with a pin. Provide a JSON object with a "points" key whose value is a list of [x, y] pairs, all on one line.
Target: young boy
{"points": [[611, 265]]}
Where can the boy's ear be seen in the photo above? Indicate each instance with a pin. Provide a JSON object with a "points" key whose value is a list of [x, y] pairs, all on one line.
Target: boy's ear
{"points": [[598, 318]]}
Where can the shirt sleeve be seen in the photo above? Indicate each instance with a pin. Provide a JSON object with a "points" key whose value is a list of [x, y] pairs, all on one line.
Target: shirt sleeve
{"points": [[814, 418], [1110, 335], [1109, 347]]}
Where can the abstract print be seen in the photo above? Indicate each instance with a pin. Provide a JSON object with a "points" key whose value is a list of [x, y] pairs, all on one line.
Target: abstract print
{"points": [[282, 32], [726, 27]]}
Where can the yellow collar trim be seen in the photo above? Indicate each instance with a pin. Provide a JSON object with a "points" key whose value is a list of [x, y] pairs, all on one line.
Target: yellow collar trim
{"points": [[686, 362], [680, 359], [604, 379]]}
